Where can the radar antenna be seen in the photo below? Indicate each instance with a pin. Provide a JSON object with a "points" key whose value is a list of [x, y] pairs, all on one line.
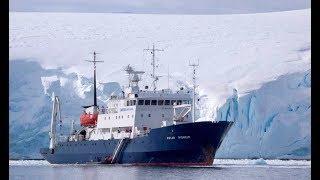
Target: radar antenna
{"points": [[153, 63], [94, 77], [194, 66], [133, 75]]}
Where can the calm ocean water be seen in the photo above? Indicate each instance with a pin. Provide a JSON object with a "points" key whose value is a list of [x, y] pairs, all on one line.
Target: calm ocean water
{"points": [[222, 169]]}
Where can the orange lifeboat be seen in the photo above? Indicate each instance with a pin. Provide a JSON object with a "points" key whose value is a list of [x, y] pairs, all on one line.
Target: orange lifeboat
{"points": [[89, 119]]}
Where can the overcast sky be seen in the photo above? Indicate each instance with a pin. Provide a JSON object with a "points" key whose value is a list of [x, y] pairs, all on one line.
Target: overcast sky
{"points": [[159, 6]]}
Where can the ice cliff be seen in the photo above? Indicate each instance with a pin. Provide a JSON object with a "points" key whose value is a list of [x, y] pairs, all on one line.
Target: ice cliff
{"points": [[273, 121]]}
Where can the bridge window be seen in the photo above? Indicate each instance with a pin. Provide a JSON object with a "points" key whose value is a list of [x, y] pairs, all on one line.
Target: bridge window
{"points": [[154, 102], [167, 102], [185, 102], [128, 103], [147, 102], [140, 102], [132, 102], [179, 102], [172, 102], [160, 102]]}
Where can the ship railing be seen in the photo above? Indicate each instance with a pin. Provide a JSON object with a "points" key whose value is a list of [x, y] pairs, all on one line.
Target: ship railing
{"points": [[183, 109], [121, 135]]}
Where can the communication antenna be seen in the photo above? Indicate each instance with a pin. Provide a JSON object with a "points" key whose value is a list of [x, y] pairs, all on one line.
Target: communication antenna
{"points": [[194, 66], [153, 63], [94, 77], [168, 76]]}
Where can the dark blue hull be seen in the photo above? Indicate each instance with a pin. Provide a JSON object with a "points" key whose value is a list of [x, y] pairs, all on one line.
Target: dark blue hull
{"points": [[184, 144]]}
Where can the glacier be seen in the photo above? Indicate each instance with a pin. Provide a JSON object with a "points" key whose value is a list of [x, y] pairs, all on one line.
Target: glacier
{"points": [[270, 122], [254, 70], [30, 88], [273, 121]]}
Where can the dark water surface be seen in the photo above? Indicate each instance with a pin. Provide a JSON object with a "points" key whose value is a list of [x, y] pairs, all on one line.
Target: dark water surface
{"points": [[233, 170]]}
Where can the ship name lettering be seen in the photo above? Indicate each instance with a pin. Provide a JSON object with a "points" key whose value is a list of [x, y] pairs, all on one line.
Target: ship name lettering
{"points": [[184, 137], [172, 137]]}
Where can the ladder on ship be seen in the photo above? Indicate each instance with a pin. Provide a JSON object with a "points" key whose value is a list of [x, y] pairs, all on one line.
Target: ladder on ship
{"points": [[119, 148]]}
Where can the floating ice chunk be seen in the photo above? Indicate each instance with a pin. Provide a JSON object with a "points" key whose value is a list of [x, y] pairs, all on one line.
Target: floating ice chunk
{"points": [[260, 161]]}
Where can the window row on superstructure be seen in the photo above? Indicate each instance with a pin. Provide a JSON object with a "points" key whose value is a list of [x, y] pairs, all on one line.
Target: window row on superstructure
{"points": [[147, 102]]}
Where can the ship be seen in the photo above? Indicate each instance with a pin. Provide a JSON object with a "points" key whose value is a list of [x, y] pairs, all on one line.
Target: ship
{"points": [[140, 126]]}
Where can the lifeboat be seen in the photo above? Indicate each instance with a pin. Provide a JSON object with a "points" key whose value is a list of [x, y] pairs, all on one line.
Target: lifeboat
{"points": [[89, 119]]}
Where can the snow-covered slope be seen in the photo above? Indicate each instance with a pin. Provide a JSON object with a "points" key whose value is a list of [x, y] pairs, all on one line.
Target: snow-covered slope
{"points": [[241, 56], [235, 51]]}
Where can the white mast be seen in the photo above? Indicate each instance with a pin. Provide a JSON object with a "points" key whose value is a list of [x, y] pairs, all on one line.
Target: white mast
{"points": [[168, 76], [194, 66], [72, 127], [153, 63], [54, 115]]}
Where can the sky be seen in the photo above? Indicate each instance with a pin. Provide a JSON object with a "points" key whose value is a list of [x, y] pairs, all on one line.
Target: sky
{"points": [[158, 6]]}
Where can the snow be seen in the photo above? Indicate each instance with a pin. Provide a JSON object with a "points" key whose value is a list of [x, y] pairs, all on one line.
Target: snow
{"points": [[241, 46], [254, 70]]}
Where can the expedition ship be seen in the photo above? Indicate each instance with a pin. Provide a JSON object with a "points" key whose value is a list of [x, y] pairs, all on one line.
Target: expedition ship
{"points": [[139, 127]]}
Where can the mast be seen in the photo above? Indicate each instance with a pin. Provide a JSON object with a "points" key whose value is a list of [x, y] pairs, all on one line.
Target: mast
{"points": [[55, 114], [168, 76], [72, 127], [153, 63], [194, 66], [94, 78]]}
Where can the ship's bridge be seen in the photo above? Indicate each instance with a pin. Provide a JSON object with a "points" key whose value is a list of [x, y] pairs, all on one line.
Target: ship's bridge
{"points": [[145, 110]]}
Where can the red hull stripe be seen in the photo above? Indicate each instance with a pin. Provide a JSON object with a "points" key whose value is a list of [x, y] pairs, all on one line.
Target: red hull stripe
{"points": [[173, 164]]}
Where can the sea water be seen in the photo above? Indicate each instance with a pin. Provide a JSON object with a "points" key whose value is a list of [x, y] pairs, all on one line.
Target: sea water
{"points": [[222, 169]]}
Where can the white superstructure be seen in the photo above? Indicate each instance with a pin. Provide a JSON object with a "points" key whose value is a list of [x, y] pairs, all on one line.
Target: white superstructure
{"points": [[136, 111]]}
